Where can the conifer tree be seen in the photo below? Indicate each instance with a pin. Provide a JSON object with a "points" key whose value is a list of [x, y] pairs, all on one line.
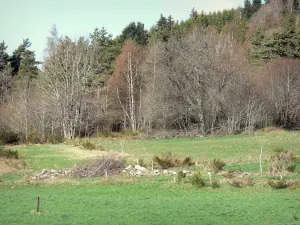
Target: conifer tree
{"points": [[256, 4], [3, 56], [247, 11]]}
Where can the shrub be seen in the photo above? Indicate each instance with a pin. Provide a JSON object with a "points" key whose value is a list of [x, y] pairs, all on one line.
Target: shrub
{"points": [[53, 139], [197, 180], [34, 138], [9, 137], [278, 184], [9, 154], [107, 134], [88, 145], [215, 184], [240, 183], [188, 162], [282, 162], [217, 165], [167, 161], [180, 176], [14, 163], [294, 184], [141, 162], [130, 133]]}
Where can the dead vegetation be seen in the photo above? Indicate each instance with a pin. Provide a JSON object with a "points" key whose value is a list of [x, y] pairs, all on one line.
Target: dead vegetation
{"points": [[168, 160], [241, 183], [282, 162], [106, 165]]}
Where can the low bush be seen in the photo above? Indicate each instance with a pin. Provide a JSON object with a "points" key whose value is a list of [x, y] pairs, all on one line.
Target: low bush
{"points": [[34, 138], [19, 164], [167, 161], [9, 137], [88, 145], [106, 134], [197, 180], [282, 162], [187, 162], [141, 162], [278, 183], [217, 165], [180, 176], [294, 184], [130, 133], [9, 154], [241, 183], [53, 139], [215, 184]]}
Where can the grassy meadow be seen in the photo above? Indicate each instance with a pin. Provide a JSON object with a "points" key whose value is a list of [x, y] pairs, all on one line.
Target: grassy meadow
{"points": [[152, 200]]}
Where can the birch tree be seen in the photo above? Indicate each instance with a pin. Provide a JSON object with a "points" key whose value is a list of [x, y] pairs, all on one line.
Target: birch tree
{"points": [[67, 70]]}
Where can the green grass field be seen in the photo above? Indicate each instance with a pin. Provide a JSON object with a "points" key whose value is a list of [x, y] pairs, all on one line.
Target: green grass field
{"points": [[152, 200]]}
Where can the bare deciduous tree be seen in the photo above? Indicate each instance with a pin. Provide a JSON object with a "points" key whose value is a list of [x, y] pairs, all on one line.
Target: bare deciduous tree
{"points": [[66, 74]]}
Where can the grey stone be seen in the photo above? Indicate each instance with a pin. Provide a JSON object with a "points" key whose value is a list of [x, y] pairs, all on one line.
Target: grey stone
{"points": [[140, 168]]}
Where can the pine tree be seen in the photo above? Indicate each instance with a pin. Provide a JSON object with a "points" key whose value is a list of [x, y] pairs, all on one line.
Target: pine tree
{"points": [[256, 4], [296, 6], [106, 50], [161, 23], [3, 56], [136, 32], [16, 58], [28, 66], [194, 14]]}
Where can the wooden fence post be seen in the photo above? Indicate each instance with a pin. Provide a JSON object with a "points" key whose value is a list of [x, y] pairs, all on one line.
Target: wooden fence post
{"points": [[38, 204], [260, 161]]}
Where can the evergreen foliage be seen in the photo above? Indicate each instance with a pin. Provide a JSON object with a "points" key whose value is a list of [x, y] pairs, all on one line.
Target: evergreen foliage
{"points": [[283, 42]]}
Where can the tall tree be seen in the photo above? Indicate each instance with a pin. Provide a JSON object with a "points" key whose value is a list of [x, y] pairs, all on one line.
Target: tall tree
{"points": [[136, 32], [256, 4], [16, 58], [247, 11], [126, 83], [67, 71], [5, 72], [106, 51], [3, 56]]}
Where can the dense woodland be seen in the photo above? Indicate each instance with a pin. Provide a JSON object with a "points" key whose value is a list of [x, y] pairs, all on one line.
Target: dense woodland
{"points": [[215, 73]]}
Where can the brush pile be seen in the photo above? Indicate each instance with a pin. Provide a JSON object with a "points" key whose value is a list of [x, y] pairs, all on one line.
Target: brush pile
{"points": [[107, 165]]}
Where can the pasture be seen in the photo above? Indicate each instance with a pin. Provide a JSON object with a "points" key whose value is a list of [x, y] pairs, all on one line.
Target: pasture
{"points": [[155, 199]]}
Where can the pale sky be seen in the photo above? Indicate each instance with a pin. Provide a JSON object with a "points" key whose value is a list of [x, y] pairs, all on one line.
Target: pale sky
{"points": [[33, 19]]}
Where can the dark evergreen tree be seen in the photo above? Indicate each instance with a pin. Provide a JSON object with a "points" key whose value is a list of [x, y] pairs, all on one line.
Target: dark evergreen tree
{"points": [[194, 14], [135, 32], [107, 50], [296, 6], [256, 4], [247, 11], [3, 56], [282, 43], [15, 59], [161, 23], [28, 66]]}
